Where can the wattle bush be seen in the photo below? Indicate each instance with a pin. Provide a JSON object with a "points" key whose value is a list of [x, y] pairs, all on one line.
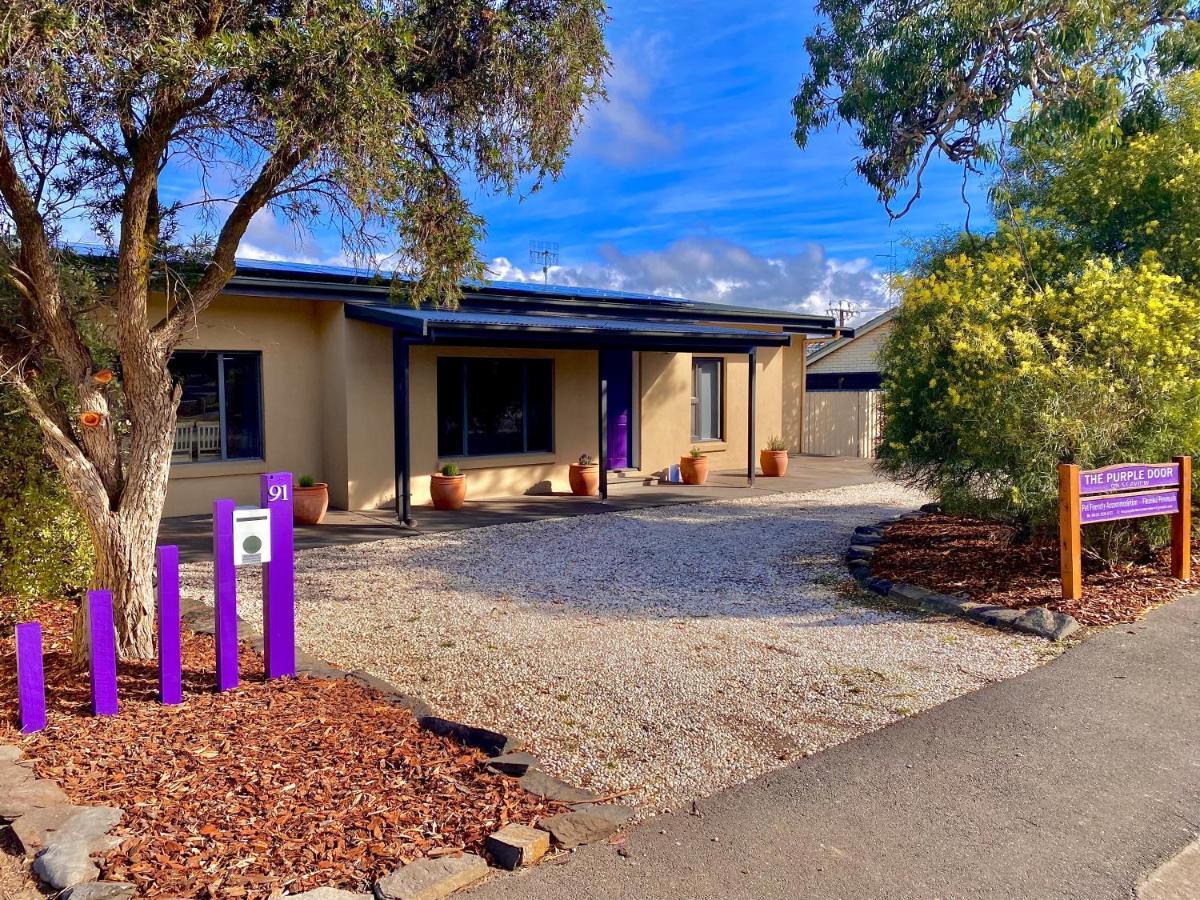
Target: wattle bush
{"points": [[1008, 357]]}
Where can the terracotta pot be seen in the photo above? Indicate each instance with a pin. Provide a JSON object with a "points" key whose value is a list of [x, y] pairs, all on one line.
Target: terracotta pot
{"points": [[585, 480], [693, 469], [773, 463], [309, 504], [448, 491]]}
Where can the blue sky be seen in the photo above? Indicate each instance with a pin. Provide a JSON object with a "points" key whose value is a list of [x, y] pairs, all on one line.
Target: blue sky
{"points": [[687, 181]]}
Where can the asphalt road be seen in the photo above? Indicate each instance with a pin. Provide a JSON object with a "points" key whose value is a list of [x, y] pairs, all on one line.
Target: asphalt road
{"points": [[1074, 780]]}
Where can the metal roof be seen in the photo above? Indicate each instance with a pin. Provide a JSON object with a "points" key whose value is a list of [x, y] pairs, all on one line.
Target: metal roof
{"points": [[458, 326]]}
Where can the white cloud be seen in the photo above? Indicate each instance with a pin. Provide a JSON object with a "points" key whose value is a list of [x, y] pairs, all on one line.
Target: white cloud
{"points": [[721, 271], [618, 128]]}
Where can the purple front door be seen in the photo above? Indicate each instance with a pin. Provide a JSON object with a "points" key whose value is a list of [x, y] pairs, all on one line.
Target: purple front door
{"points": [[617, 367]]}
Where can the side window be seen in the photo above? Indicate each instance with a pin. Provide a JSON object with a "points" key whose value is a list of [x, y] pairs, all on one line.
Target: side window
{"points": [[707, 412]]}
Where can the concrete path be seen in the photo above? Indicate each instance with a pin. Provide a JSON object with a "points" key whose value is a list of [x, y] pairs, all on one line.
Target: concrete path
{"points": [[1074, 780]]}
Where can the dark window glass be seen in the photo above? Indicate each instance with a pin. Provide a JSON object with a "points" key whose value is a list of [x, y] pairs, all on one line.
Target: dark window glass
{"points": [[220, 409], [494, 406], [707, 414]]}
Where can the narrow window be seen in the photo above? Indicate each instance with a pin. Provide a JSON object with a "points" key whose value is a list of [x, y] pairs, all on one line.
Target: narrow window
{"points": [[707, 413], [490, 407], [220, 410]]}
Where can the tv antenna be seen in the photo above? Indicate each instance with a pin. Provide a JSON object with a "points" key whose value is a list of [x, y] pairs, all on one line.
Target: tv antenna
{"points": [[544, 254], [843, 311]]}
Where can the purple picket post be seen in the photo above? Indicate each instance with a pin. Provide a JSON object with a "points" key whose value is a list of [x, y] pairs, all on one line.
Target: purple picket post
{"points": [[278, 578], [31, 686], [170, 650], [225, 577], [103, 653]]}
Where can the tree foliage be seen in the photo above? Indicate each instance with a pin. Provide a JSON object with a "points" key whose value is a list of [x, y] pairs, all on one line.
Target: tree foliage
{"points": [[368, 115], [948, 77]]}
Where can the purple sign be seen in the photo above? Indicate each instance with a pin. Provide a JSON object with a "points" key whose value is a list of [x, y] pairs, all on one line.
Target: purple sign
{"points": [[1129, 477], [1128, 506], [170, 652], [225, 590]]}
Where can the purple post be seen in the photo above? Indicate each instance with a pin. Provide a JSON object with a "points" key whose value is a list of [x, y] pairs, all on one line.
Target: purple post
{"points": [[170, 650], [225, 576], [104, 653], [278, 578], [31, 686]]}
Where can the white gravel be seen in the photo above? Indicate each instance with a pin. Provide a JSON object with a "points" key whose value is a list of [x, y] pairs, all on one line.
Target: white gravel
{"points": [[669, 652]]}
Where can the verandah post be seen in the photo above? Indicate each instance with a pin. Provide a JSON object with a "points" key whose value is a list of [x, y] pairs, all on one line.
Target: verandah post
{"points": [[31, 684], [751, 444], [1069, 538], [225, 596], [602, 422], [1181, 523], [170, 651]]}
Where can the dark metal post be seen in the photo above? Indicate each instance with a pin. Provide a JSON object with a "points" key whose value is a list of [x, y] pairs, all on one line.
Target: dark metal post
{"points": [[602, 422], [750, 443], [400, 428]]}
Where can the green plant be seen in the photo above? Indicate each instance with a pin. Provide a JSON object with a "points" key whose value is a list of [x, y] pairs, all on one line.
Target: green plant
{"points": [[306, 481], [696, 452], [45, 553], [776, 444], [450, 470], [586, 459]]}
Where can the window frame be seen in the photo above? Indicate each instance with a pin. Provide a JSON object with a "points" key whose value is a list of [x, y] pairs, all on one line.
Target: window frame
{"points": [[719, 412], [464, 363], [220, 355]]}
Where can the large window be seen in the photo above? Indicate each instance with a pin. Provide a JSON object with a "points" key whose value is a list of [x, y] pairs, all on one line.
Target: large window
{"points": [[707, 414], [494, 406], [220, 412]]}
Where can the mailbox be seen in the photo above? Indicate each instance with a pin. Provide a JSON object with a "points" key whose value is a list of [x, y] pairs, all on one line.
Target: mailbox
{"points": [[251, 536]]}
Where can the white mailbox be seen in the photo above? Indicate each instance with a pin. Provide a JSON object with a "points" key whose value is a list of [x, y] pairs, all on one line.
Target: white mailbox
{"points": [[251, 536]]}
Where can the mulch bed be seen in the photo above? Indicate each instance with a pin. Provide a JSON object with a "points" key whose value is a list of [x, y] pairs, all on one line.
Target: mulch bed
{"points": [[962, 555], [291, 784]]}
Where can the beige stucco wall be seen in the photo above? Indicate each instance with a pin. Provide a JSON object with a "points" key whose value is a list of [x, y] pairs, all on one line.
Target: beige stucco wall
{"points": [[327, 409], [287, 333]]}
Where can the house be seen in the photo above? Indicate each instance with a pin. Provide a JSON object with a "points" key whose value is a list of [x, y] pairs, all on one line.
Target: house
{"points": [[842, 411], [315, 370]]}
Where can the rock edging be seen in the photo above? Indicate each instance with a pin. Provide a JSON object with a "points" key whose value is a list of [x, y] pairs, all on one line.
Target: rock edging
{"points": [[1037, 620]]}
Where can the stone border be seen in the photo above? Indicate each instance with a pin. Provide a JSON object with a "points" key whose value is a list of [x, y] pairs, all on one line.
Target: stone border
{"points": [[1038, 620]]}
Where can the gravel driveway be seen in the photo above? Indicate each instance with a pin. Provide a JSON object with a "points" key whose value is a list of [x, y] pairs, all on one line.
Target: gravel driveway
{"points": [[669, 652]]}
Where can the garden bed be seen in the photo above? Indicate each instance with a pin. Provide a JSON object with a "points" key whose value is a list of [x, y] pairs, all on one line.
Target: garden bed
{"points": [[986, 562], [287, 785]]}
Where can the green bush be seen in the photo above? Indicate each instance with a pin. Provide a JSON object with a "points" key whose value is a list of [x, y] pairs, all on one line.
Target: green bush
{"points": [[1007, 357], [45, 551]]}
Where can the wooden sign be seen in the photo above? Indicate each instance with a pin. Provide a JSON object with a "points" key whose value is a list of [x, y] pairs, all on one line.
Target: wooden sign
{"points": [[1129, 491]]}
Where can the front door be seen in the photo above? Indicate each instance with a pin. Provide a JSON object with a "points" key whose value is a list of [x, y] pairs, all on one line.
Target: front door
{"points": [[617, 367]]}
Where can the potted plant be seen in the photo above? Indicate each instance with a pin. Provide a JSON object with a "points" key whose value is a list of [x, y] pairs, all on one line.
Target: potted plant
{"points": [[310, 501], [448, 488], [774, 460], [693, 468], [584, 476]]}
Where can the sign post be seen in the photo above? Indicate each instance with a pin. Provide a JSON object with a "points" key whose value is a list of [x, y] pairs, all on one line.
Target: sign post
{"points": [[103, 653], [278, 578], [1129, 491], [170, 648], [225, 596], [31, 685]]}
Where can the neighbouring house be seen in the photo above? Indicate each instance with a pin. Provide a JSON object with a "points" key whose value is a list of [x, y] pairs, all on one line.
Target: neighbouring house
{"points": [[842, 410], [315, 370]]}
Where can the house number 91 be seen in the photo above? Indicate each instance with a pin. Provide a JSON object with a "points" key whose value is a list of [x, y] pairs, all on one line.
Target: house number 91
{"points": [[277, 492]]}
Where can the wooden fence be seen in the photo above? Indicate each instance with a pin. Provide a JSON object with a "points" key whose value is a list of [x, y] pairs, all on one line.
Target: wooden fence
{"points": [[842, 423]]}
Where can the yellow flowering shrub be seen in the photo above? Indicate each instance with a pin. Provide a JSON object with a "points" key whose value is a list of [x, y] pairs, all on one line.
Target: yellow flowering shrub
{"points": [[1008, 358]]}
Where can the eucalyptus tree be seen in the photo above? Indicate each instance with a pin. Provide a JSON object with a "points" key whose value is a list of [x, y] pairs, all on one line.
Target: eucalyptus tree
{"points": [[368, 114], [918, 78]]}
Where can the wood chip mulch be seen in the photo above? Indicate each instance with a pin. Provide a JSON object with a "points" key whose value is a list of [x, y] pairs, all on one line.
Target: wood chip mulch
{"points": [[287, 785], [985, 561]]}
